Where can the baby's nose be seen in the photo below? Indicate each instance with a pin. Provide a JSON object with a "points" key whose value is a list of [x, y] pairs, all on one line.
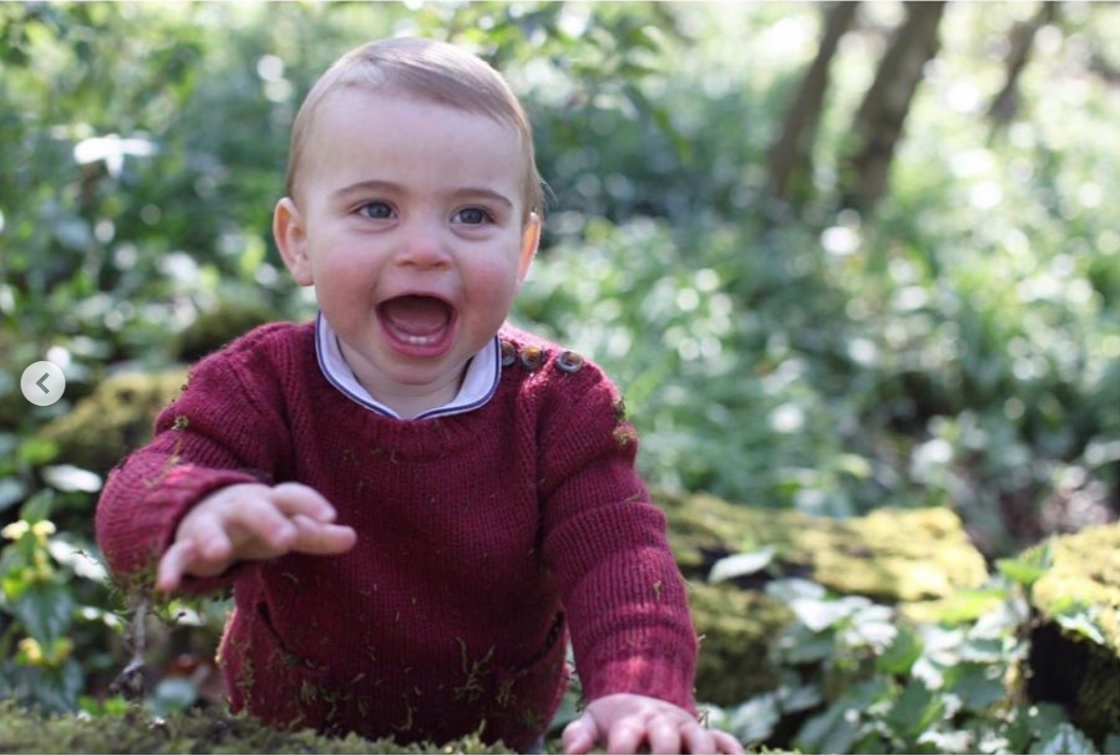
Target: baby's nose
{"points": [[423, 247]]}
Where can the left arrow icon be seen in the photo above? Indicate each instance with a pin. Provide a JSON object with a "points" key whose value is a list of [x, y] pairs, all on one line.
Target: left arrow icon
{"points": [[43, 383]]}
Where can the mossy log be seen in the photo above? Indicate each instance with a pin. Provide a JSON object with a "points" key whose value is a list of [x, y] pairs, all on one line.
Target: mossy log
{"points": [[900, 557], [113, 420], [213, 329], [1072, 663]]}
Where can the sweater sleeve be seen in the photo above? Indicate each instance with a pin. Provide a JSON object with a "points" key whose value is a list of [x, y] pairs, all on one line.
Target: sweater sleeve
{"points": [[606, 544], [224, 428]]}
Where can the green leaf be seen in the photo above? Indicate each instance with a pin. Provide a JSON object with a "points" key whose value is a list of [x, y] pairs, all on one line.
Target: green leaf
{"points": [[798, 644], [799, 698], [11, 492], [901, 654], [740, 565], [1082, 620], [837, 729], [872, 743], [819, 615], [756, 719], [34, 451], [873, 626], [1029, 723], [46, 610], [788, 590], [39, 506], [853, 465], [833, 731], [173, 693], [979, 685], [966, 606], [915, 710], [1028, 568], [950, 741], [1066, 738], [54, 690]]}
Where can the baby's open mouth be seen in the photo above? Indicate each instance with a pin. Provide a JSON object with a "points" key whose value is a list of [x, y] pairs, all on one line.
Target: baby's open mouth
{"points": [[417, 320]]}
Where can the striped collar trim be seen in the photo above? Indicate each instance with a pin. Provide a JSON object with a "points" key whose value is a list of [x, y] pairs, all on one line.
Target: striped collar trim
{"points": [[484, 371]]}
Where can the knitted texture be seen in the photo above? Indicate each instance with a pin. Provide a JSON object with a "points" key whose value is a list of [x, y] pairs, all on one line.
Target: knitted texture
{"points": [[485, 540]]}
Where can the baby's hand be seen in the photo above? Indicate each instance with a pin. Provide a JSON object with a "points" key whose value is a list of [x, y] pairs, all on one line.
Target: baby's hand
{"points": [[251, 522], [624, 722]]}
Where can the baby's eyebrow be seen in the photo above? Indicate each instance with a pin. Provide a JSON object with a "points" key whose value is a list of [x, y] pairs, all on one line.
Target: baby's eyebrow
{"points": [[379, 186], [362, 187], [481, 192]]}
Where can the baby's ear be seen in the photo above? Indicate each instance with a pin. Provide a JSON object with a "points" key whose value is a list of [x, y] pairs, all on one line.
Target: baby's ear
{"points": [[530, 240], [291, 239]]}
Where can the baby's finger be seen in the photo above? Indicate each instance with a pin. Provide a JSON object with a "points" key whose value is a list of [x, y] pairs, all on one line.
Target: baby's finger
{"points": [[322, 539], [625, 737], [726, 743], [208, 533], [295, 498], [665, 738], [697, 739], [260, 529], [580, 735], [174, 564]]}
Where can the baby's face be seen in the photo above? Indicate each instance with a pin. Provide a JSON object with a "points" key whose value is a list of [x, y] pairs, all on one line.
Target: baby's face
{"points": [[409, 223]]}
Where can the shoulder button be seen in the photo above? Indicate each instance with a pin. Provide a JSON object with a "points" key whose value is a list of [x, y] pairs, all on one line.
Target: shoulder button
{"points": [[532, 357], [569, 362], [509, 354]]}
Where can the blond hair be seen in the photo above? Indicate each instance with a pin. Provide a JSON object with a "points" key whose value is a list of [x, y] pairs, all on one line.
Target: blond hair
{"points": [[435, 71]]}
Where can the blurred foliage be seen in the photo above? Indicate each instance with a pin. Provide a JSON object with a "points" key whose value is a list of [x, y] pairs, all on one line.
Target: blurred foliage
{"points": [[959, 348], [860, 678]]}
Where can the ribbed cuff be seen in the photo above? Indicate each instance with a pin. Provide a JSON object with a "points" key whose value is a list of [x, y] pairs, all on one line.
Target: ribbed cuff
{"points": [[664, 678]]}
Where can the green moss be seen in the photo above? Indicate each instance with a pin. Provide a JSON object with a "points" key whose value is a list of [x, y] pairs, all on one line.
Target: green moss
{"points": [[1084, 572], [214, 329], [1098, 704], [857, 556], [1085, 567], [214, 732], [863, 556], [115, 419], [736, 628]]}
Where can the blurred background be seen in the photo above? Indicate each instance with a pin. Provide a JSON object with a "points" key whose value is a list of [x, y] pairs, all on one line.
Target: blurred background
{"points": [[837, 256]]}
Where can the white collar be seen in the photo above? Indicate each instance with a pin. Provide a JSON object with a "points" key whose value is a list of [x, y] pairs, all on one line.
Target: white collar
{"points": [[479, 383]]}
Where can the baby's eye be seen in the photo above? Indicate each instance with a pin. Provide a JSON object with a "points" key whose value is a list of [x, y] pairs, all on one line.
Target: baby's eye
{"points": [[472, 216], [376, 210]]}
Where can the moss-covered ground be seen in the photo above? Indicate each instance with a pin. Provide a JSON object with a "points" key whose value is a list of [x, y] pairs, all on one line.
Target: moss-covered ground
{"points": [[135, 731]]}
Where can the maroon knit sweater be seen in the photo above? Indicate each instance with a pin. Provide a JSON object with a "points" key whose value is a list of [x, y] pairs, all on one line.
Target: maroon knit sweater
{"points": [[484, 539]]}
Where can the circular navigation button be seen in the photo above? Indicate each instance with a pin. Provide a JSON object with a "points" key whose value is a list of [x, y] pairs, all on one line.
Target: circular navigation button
{"points": [[43, 383]]}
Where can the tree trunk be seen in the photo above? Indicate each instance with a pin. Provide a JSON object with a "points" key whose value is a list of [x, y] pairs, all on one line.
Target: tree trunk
{"points": [[790, 158], [878, 123], [1005, 105]]}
